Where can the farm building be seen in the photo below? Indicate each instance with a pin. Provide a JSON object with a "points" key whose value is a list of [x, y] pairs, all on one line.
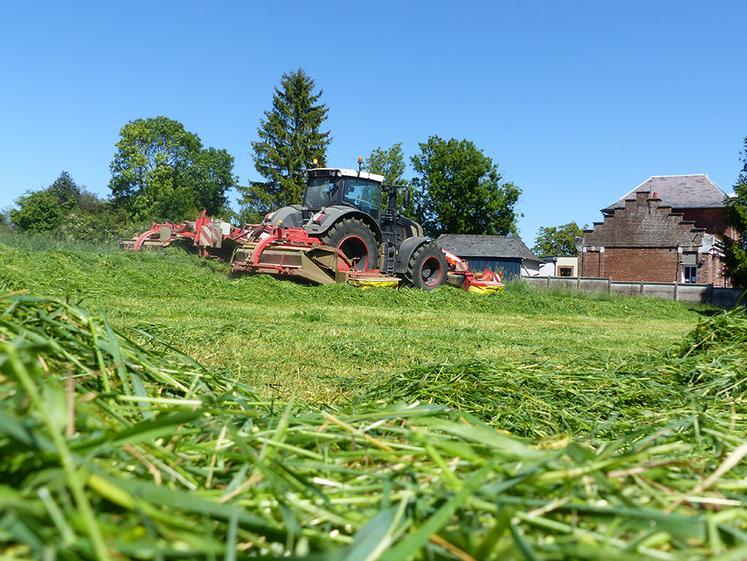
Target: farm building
{"points": [[665, 230], [507, 254]]}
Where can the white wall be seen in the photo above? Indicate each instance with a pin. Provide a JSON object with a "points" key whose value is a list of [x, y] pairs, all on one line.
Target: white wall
{"points": [[530, 268], [552, 269]]}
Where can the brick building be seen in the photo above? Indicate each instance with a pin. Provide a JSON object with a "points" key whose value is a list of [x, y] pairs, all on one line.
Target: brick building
{"points": [[665, 230]]}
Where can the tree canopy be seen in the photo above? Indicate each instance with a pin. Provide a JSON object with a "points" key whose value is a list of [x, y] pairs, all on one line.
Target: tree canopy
{"points": [[290, 139], [45, 210], [461, 190], [389, 162], [557, 240], [69, 211], [162, 172], [735, 251]]}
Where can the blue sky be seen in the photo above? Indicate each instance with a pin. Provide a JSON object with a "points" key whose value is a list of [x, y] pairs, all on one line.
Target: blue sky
{"points": [[578, 101]]}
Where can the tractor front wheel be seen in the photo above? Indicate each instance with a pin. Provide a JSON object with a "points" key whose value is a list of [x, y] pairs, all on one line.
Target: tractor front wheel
{"points": [[356, 240], [427, 268]]}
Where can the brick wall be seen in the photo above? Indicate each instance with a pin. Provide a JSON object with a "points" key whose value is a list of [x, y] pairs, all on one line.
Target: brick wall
{"points": [[711, 271], [649, 264], [641, 242], [644, 222], [590, 264], [712, 219]]}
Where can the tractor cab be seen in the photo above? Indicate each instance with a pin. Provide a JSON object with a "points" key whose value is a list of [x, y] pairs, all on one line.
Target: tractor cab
{"points": [[327, 187]]}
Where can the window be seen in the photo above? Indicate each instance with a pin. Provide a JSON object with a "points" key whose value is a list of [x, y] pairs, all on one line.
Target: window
{"points": [[690, 274], [565, 271], [364, 195], [320, 192]]}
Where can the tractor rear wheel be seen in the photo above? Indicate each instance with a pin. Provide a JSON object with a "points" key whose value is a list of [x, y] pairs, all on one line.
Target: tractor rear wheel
{"points": [[427, 267], [356, 240]]}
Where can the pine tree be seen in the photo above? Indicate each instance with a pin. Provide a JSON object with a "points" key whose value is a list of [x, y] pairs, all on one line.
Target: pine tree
{"points": [[290, 139]]}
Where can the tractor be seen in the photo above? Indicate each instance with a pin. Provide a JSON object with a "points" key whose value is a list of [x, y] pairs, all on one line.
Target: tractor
{"points": [[348, 229]]}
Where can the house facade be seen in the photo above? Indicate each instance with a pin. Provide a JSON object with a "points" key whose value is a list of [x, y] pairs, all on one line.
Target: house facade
{"points": [[506, 254], [666, 230]]}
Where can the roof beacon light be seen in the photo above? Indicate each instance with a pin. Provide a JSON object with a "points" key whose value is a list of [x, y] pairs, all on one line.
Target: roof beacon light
{"points": [[360, 164]]}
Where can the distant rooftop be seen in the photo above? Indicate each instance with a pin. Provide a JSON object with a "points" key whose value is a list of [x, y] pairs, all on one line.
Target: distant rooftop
{"points": [[468, 245], [679, 191]]}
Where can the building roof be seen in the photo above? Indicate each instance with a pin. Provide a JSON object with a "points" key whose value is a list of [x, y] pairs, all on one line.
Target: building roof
{"points": [[678, 191], [468, 245]]}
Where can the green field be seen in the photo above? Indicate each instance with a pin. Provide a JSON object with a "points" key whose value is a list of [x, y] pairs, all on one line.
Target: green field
{"points": [[339, 424], [321, 344]]}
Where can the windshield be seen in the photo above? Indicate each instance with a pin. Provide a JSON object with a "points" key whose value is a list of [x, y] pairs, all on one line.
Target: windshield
{"points": [[364, 195], [320, 192]]}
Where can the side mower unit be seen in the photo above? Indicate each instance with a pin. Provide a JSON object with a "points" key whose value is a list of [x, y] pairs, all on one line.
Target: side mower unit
{"points": [[293, 253]]}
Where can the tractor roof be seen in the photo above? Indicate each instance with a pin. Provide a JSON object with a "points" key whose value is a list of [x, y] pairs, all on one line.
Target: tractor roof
{"points": [[349, 173]]}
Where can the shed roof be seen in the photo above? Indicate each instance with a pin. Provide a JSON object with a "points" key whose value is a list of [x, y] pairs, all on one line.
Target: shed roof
{"points": [[468, 245], [678, 191]]}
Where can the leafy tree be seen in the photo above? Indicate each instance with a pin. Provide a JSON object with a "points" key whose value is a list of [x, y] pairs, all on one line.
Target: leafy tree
{"points": [[161, 171], [45, 210], [460, 190], [38, 212], [558, 240], [389, 162], [290, 139], [211, 176], [735, 251], [69, 211]]}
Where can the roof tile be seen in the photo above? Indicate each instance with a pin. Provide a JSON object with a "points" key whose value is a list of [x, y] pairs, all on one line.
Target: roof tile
{"points": [[679, 191], [468, 245]]}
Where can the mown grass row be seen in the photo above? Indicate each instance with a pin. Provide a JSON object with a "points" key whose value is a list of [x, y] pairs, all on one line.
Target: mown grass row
{"points": [[94, 274], [109, 449], [707, 371]]}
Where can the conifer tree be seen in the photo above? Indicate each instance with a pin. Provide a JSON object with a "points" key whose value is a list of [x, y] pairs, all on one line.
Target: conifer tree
{"points": [[290, 140]]}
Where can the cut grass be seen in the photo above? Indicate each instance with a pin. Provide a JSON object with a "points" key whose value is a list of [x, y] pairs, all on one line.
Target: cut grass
{"points": [[324, 344], [706, 373], [110, 450]]}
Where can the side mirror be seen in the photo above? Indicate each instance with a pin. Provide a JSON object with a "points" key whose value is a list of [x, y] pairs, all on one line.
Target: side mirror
{"points": [[407, 198]]}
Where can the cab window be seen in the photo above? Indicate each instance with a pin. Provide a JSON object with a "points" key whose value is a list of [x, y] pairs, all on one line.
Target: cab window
{"points": [[320, 192], [364, 195]]}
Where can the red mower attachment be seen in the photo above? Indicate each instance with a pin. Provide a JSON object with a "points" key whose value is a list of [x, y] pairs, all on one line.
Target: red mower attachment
{"points": [[461, 275], [204, 233], [292, 252]]}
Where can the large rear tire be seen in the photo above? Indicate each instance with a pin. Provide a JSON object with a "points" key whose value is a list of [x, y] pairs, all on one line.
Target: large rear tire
{"points": [[356, 240], [427, 268]]}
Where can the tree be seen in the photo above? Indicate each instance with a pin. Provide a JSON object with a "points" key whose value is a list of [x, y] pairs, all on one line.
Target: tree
{"points": [[558, 240], [161, 171], [290, 139], [45, 210], [66, 190], [69, 211], [389, 162], [735, 250], [460, 190]]}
